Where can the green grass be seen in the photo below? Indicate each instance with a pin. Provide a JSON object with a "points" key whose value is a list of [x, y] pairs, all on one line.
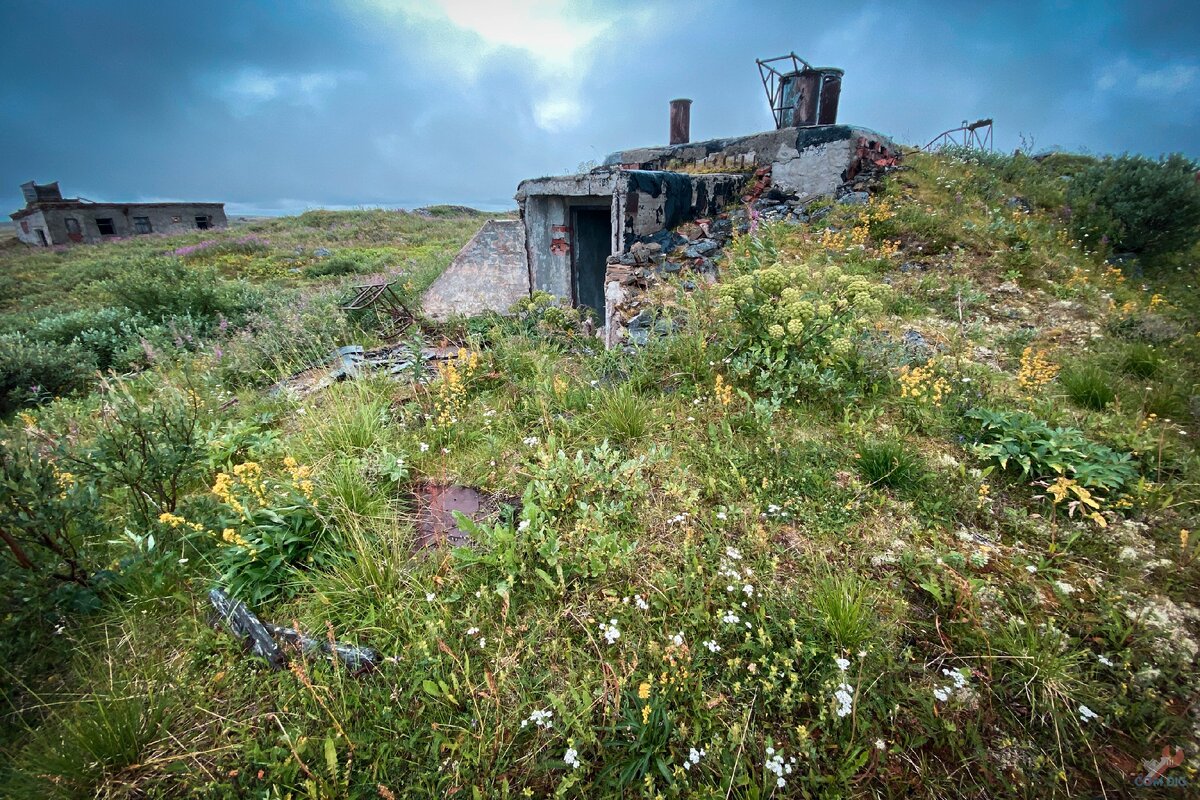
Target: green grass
{"points": [[891, 464], [1088, 386]]}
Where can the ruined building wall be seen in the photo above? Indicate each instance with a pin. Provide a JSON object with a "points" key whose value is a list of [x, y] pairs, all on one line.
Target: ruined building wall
{"points": [[807, 162], [162, 218], [489, 274]]}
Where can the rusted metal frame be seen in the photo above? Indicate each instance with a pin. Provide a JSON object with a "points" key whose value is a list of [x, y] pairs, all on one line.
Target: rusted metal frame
{"points": [[772, 81], [970, 136]]}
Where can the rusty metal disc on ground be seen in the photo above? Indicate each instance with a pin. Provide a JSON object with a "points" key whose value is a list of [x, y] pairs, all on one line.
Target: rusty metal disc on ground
{"points": [[436, 504]]}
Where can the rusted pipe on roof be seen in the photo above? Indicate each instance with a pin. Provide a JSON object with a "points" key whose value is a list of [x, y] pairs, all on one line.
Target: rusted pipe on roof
{"points": [[681, 121]]}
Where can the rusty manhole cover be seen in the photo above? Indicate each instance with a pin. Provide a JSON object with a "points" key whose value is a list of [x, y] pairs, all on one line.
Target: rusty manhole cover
{"points": [[436, 504]]}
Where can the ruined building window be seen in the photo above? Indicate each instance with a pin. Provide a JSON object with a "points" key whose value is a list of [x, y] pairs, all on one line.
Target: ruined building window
{"points": [[141, 224], [203, 222], [105, 225], [72, 226]]}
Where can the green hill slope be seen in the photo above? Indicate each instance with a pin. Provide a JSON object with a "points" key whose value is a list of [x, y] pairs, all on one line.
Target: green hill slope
{"points": [[901, 507]]}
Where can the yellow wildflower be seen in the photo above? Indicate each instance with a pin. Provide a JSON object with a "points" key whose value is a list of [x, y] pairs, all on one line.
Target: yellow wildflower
{"points": [[644, 691], [1036, 370]]}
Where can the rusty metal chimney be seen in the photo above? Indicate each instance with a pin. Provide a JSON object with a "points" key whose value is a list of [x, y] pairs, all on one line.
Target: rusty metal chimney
{"points": [[681, 121]]}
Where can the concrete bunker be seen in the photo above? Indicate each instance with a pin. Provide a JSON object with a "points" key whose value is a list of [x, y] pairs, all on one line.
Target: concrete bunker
{"points": [[573, 223], [579, 230]]}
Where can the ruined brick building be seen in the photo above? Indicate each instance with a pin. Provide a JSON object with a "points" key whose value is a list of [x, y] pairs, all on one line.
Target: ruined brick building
{"points": [[49, 219], [576, 234]]}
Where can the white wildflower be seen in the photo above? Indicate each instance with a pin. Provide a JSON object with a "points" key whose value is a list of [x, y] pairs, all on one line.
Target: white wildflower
{"points": [[531, 441], [845, 697], [609, 631], [1086, 714], [640, 602], [712, 646], [571, 757], [424, 447], [543, 718], [1030, 568], [842, 664], [524, 526], [677, 639], [1103, 659]]}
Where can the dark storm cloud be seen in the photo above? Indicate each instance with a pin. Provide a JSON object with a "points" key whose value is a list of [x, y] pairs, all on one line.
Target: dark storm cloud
{"points": [[279, 106]]}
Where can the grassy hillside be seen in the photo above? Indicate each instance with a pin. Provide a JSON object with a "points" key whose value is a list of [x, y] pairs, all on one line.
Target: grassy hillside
{"points": [[902, 507]]}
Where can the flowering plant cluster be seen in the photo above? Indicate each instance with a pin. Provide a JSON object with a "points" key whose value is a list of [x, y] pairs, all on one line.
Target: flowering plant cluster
{"points": [[794, 317], [450, 390], [1036, 369], [269, 527], [923, 385]]}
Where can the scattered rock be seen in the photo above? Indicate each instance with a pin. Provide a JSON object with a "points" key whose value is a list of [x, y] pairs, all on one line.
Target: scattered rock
{"points": [[1009, 288], [700, 248], [322, 252], [855, 198]]}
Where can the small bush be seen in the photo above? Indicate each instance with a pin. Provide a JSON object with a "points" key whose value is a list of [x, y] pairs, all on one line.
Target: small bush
{"points": [[1088, 386], [163, 288], [336, 265], [1137, 204], [1014, 437], [31, 371]]}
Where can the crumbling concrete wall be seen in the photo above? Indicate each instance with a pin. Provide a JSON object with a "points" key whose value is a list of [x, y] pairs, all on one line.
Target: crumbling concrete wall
{"points": [[28, 227], [489, 274], [643, 202], [545, 205], [807, 162]]}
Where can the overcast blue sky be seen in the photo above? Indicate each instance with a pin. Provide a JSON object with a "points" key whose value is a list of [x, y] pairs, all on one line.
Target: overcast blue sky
{"points": [[280, 106]]}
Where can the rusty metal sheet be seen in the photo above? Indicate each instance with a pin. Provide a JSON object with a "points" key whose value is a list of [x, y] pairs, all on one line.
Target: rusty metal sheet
{"points": [[436, 504]]}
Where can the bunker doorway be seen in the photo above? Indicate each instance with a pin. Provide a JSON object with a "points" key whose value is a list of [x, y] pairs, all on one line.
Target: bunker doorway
{"points": [[592, 229]]}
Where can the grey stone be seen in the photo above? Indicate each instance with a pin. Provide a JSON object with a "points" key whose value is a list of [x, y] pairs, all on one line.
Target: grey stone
{"points": [[322, 252], [855, 198], [700, 248]]}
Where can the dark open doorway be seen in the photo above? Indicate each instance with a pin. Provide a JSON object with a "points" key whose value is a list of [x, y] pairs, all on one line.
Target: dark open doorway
{"points": [[592, 229]]}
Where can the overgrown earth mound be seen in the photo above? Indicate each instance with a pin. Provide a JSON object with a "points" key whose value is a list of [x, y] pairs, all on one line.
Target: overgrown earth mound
{"points": [[901, 505]]}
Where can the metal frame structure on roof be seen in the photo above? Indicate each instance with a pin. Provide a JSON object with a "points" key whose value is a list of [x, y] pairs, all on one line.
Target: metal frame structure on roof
{"points": [[772, 80]]}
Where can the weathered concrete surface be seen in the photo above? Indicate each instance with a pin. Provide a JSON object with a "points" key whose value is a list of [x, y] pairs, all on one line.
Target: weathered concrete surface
{"points": [[489, 274], [808, 161], [642, 202]]}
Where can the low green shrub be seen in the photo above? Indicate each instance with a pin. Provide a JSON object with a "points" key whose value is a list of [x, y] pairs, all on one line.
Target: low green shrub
{"points": [[49, 516], [32, 371], [1018, 438], [162, 288], [1137, 204], [149, 445]]}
